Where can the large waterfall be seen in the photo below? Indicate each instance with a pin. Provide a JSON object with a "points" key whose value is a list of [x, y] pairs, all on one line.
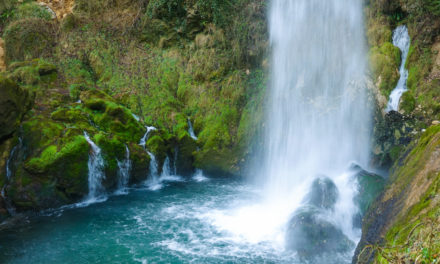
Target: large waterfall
{"points": [[319, 120]]}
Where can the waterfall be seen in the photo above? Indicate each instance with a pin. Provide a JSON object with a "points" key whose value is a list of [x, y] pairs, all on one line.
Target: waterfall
{"points": [[191, 130], [96, 170], [144, 139], [153, 182], [124, 171], [11, 157], [318, 119], [401, 40], [9, 207], [199, 176]]}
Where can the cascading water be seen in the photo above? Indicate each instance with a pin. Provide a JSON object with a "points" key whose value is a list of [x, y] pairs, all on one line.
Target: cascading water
{"points": [[153, 182], [401, 40], [318, 121], [191, 130], [11, 156], [96, 171], [124, 171]]}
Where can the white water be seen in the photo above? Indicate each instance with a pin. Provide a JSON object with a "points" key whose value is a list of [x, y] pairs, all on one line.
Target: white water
{"points": [[401, 40], [96, 172], [11, 156], [191, 130], [124, 172], [168, 172], [199, 176], [153, 181], [146, 135], [318, 121]]}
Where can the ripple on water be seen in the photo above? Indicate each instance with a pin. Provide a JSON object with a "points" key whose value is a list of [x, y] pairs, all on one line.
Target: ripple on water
{"points": [[191, 222]]}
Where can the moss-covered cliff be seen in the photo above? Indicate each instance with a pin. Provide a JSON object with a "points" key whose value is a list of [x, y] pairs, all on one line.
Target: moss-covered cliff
{"points": [[401, 226], [110, 68]]}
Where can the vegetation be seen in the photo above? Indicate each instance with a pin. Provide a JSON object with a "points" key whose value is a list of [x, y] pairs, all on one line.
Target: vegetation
{"points": [[108, 63]]}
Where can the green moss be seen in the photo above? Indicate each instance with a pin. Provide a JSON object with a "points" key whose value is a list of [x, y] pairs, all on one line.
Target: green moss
{"points": [[408, 102], [32, 10], [156, 144], [28, 38], [385, 61]]}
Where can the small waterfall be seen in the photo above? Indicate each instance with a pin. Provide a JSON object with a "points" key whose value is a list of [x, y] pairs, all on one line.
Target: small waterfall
{"points": [[153, 182], [401, 40], [169, 173], [96, 170], [199, 176], [136, 117], [124, 171], [191, 130], [9, 207], [11, 157], [166, 168], [144, 139]]}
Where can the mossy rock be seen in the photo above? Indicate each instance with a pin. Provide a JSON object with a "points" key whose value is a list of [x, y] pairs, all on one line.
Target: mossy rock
{"points": [[370, 185], [158, 146], [112, 150], [407, 102], [222, 162], [75, 116], [385, 62], [39, 132], [28, 39], [112, 117], [140, 163], [55, 177], [186, 147], [37, 73], [14, 103]]}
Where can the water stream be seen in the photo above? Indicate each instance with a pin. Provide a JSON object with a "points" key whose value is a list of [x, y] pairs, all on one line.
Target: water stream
{"points": [[124, 167], [191, 130], [401, 40], [96, 172]]}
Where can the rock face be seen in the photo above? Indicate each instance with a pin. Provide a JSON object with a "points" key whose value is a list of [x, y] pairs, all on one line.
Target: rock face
{"points": [[14, 103], [308, 230], [402, 224], [392, 133]]}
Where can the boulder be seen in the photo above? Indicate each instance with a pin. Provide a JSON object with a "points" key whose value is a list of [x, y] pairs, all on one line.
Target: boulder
{"points": [[309, 232], [323, 193]]}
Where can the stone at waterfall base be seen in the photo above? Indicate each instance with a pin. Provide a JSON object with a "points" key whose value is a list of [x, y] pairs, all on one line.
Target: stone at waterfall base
{"points": [[308, 233]]}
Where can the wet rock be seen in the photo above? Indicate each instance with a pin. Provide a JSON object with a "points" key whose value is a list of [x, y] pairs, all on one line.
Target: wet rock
{"points": [[370, 185], [309, 232], [391, 134], [323, 193], [185, 158]]}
